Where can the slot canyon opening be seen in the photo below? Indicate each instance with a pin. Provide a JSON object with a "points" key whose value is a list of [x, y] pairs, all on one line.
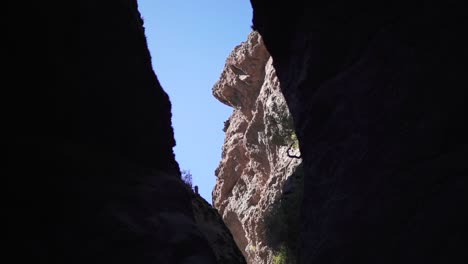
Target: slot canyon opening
{"points": [[223, 88], [189, 42], [377, 91]]}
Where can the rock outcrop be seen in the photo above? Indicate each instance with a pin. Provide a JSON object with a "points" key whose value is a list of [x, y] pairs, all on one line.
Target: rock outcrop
{"points": [[255, 163], [218, 235], [378, 94], [90, 171]]}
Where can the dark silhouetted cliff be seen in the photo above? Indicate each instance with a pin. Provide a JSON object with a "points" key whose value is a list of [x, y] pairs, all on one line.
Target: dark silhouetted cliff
{"points": [[91, 170], [378, 92]]}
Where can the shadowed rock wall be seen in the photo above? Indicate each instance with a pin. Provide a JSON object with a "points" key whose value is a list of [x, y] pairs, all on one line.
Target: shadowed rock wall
{"points": [[378, 94], [91, 170], [217, 233]]}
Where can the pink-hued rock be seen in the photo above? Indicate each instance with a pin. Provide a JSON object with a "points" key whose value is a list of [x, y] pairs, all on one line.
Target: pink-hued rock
{"points": [[254, 163]]}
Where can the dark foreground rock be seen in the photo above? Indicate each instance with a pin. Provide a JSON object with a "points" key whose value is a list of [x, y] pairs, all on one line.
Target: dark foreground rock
{"points": [[378, 94], [216, 232], [90, 173]]}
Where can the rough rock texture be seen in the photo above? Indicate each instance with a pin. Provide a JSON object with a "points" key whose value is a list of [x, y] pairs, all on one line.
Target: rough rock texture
{"points": [[254, 163], [90, 170], [218, 235], [378, 91]]}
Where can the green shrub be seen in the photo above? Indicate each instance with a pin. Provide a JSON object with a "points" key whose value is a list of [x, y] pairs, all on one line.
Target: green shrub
{"points": [[293, 139], [281, 257], [283, 220], [187, 177], [226, 125], [280, 126]]}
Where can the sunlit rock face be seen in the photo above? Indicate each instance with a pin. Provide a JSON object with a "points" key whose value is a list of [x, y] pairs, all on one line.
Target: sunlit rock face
{"points": [[254, 163], [378, 92]]}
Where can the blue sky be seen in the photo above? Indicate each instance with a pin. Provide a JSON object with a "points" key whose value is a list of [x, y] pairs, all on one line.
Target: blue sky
{"points": [[189, 42]]}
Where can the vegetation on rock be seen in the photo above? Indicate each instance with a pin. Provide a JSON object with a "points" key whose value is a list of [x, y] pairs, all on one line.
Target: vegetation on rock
{"points": [[226, 125], [187, 178], [281, 126], [282, 221]]}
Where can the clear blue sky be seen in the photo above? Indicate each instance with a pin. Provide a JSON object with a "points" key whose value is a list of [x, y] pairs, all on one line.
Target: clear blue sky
{"points": [[189, 42]]}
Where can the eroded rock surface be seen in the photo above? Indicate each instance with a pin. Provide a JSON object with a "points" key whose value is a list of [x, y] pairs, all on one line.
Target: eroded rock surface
{"points": [[254, 164]]}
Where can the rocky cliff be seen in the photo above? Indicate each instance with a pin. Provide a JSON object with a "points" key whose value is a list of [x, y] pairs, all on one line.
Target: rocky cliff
{"points": [[378, 94], [255, 163], [90, 171], [218, 235]]}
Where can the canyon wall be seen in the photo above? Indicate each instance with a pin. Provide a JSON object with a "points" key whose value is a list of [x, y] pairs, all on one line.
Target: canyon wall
{"points": [[90, 171], [218, 235], [255, 163], [378, 94]]}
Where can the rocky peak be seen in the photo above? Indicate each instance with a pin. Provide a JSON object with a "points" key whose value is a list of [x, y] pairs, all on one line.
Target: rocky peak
{"points": [[255, 163], [243, 75]]}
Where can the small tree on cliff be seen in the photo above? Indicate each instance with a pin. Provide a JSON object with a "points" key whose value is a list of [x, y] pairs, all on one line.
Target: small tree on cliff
{"points": [[187, 177]]}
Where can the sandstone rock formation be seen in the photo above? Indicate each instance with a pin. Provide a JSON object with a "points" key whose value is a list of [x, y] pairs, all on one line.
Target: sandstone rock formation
{"points": [[378, 94], [91, 172], [254, 164]]}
